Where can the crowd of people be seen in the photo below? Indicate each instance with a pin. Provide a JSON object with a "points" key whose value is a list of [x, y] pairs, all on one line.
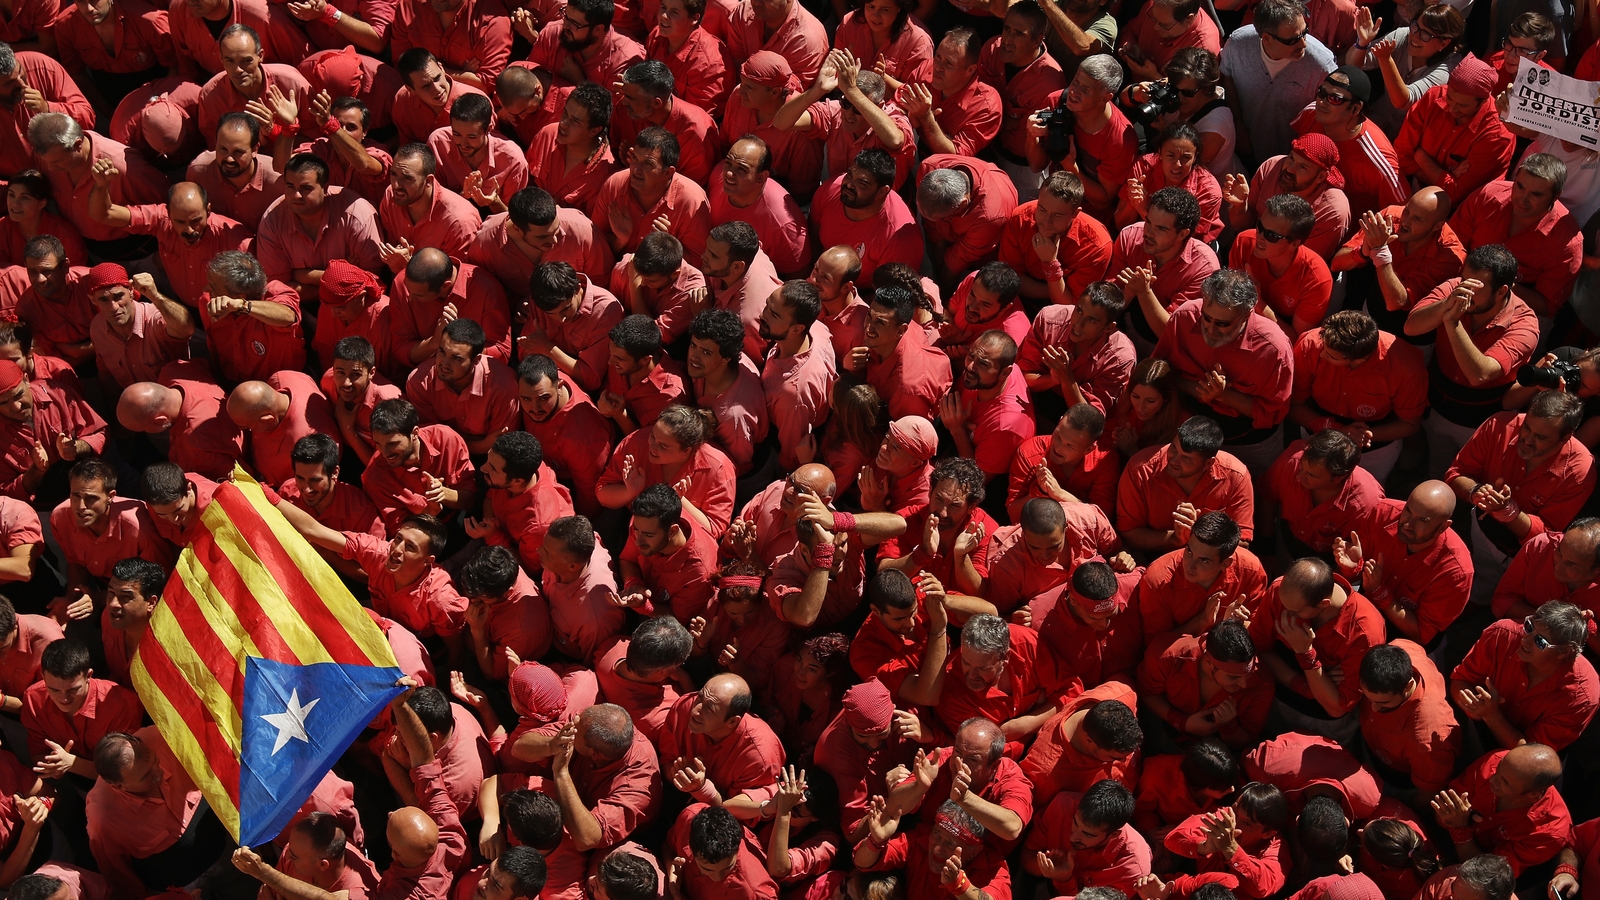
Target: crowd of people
{"points": [[1130, 450]]}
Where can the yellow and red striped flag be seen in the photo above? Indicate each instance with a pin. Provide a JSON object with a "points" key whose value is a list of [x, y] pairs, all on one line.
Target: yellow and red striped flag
{"points": [[259, 668]]}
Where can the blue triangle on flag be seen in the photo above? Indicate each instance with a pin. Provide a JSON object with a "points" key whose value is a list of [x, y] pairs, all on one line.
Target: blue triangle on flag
{"points": [[298, 721]]}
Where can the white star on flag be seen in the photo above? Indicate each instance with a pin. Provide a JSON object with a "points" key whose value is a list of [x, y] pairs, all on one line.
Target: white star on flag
{"points": [[291, 723]]}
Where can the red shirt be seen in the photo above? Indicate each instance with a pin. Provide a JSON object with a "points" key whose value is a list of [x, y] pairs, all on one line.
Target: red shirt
{"points": [[204, 440], [1473, 154], [827, 121], [58, 408], [1419, 737], [581, 610], [647, 704], [1174, 672], [1163, 797], [1147, 495], [503, 160], [957, 333], [842, 595], [185, 263], [708, 469], [61, 95], [775, 216], [1007, 788], [431, 880], [801, 39], [1054, 765], [747, 880], [1258, 363], [141, 37], [890, 236], [1158, 48], [856, 769], [910, 852], [1101, 369], [1167, 598], [914, 378], [577, 445], [1302, 291], [699, 141], [475, 294], [617, 51], [1117, 863], [520, 621], [576, 245], [970, 117], [1525, 837], [428, 606], [1549, 254], [796, 154], [1313, 523], [1433, 582], [13, 242], [1084, 251], [246, 348], [1509, 338], [484, 407], [1074, 654], [1551, 493], [1015, 577], [246, 203], [1554, 711], [1329, 205], [107, 707], [196, 44], [972, 235], [1586, 843], [699, 68], [60, 320], [907, 58], [741, 412], [798, 388], [129, 532], [876, 651], [378, 81], [1295, 762], [1419, 270], [1178, 281], [748, 761], [139, 182], [373, 323], [415, 119], [1392, 381], [526, 517], [348, 230], [1368, 162], [684, 204], [1201, 184], [1022, 91], [221, 96], [1092, 480], [1342, 643], [998, 426], [1016, 693], [440, 453], [576, 186], [449, 222], [1259, 868], [19, 667], [1531, 578], [478, 39], [684, 580], [349, 510], [1106, 156], [309, 413], [942, 566], [645, 399], [623, 793]]}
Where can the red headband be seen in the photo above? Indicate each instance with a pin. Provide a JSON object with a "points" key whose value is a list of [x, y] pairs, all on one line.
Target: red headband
{"points": [[740, 581], [957, 830], [1234, 668]]}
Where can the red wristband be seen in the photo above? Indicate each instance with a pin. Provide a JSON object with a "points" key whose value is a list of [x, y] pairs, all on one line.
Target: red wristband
{"points": [[843, 521], [1308, 660], [822, 556], [331, 127], [1566, 869]]}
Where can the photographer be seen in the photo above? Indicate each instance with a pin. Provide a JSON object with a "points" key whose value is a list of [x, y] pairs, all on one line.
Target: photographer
{"points": [[1570, 369], [1189, 93], [1083, 132]]}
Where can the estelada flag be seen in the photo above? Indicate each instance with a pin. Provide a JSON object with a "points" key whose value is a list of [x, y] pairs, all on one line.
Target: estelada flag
{"points": [[259, 668]]}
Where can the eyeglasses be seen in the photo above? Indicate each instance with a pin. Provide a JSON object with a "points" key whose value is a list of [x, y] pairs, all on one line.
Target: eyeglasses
{"points": [[1188, 94], [576, 26], [1539, 640], [1524, 52], [1289, 41], [1332, 98], [1270, 236], [1429, 36]]}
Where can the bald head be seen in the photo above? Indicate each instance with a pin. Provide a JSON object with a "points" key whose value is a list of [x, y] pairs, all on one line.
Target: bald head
{"points": [[412, 836], [1433, 498], [819, 478], [842, 262], [728, 686], [185, 198], [148, 408], [256, 406], [1528, 771]]}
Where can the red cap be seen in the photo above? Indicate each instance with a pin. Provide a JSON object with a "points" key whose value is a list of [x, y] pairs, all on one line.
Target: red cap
{"points": [[105, 275], [10, 375]]}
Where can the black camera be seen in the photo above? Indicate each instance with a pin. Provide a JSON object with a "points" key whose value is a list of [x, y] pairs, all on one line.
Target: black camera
{"points": [[1058, 124], [1163, 99], [1550, 376]]}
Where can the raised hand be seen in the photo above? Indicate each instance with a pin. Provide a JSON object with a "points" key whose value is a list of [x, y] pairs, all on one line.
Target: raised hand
{"points": [[1236, 190], [104, 172], [1453, 810]]}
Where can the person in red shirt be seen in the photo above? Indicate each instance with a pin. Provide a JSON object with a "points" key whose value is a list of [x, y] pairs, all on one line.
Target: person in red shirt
{"points": [[95, 529], [1164, 490], [277, 413], [955, 112], [722, 384], [568, 321], [434, 282], [316, 488], [1411, 249], [1090, 632], [647, 100], [1208, 685], [473, 160], [951, 533], [984, 300], [1367, 158], [1084, 841], [1189, 591], [937, 855], [696, 57], [1069, 465], [357, 307], [1310, 171], [765, 84], [991, 415], [1163, 27], [1553, 566], [576, 49], [727, 858], [866, 117], [56, 303], [505, 614], [1056, 249], [1243, 839], [859, 209], [742, 188], [1294, 282], [1525, 215], [1095, 736], [860, 747], [187, 233], [317, 855], [638, 385], [253, 325], [1159, 263], [1029, 561], [466, 388], [186, 406], [1320, 491], [355, 386], [1173, 787], [1488, 876], [1411, 564], [67, 153], [964, 204], [668, 558], [720, 752], [47, 426], [1529, 681], [415, 468], [630, 203], [897, 358], [744, 635], [1017, 64], [995, 675], [423, 104], [523, 498], [1453, 137], [1365, 383], [1524, 474], [133, 340], [418, 212], [555, 410], [1407, 724], [1103, 147], [979, 778], [1507, 804], [70, 708], [1175, 162]]}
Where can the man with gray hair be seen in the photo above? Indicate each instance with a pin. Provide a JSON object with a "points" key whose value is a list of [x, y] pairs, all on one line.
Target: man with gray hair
{"points": [[252, 325], [32, 83], [863, 119], [1102, 147], [66, 152], [964, 203], [995, 677], [1561, 564], [1271, 70], [1234, 365], [1528, 681], [1526, 216], [606, 775], [647, 99]]}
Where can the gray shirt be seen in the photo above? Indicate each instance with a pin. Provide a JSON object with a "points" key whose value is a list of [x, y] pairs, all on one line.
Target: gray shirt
{"points": [[1418, 81], [1269, 104]]}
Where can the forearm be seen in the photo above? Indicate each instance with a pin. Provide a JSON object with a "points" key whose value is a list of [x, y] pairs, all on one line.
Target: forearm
{"points": [[778, 865], [1155, 312], [360, 33], [17, 863], [1076, 39], [1022, 726], [1394, 84], [1424, 319], [994, 817], [967, 578], [174, 315], [16, 568], [354, 154], [906, 796], [1509, 736], [1395, 295], [1325, 691], [1478, 368], [800, 608], [580, 822], [883, 127], [1241, 403], [923, 688], [1147, 538], [934, 140], [276, 315], [290, 888], [788, 115]]}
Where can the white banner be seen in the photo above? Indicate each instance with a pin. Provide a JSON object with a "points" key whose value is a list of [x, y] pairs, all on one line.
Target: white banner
{"points": [[1562, 107]]}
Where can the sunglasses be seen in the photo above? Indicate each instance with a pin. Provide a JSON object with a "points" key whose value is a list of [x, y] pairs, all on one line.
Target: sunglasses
{"points": [[1270, 236], [1189, 94], [1540, 641], [1513, 50], [1289, 41], [1332, 98]]}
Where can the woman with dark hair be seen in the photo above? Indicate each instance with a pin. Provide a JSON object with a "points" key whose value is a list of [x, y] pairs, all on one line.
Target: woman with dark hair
{"points": [[853, 435], [883, 36], [27, 217], [1396, 856], [1173, 161], [1411, 59], [807, 688], [1148, 412], [1194, 73]]}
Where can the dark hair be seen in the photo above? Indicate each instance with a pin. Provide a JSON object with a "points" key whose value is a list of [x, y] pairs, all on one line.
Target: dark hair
{"points": [[65, 658], [627, 875], [659, 253], [525, 865], [1085, 418], [241, 120], [536, 368], [1181, 204], [1095, 580], [714, 834], [1229, 641], [1034, 14], [652, 76], [966, 475], [431, 528], [1200, 434], [93, 468], [552, 284], [1197, 63], [430, 268], [1490, 873], [356, 349], [419, 152], [638, 335], [163, 483], [800, 297], [150, 577], [531, 206], [877, 163], [999, 277], [489, 573], [741, 237], [344, 103], [897, 299], [971, 46], [395, 416], [38, 185], [891, 589], [596, 102], [413, 61], [1042, 515], [34, 887], [1266, 804], [323, 831], [660, 642], [17, 333], [660, 140], [1112, 725], [521, 452], [1106, 804], [474, 108], [1321, 836], [469, 332], [1386, 669], [577, 533], [319, 449], [1208, 764], [1565, 408], [310, 162], [1297, 210], [1497, 262], [1215, 529], [1395, 844], [722, 328], [533, 818], [433, 708], [595, 12], [1350, 333], [1309, 577], [659, 502], [1180, 130], [1335, 451]]}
